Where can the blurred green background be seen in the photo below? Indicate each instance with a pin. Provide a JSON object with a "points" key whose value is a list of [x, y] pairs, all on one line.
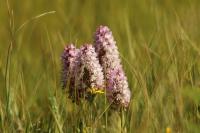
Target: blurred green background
{"points": [[159, 45]]}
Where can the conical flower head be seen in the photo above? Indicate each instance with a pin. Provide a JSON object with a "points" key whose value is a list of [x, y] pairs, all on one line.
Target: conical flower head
{"points": [[116, 82], [106, 48], [68, 59], [117, 88], [91, 78]]}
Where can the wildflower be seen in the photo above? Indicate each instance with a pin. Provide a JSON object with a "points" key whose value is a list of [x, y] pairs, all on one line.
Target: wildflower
{"points": [[117, 88], [91, 75], [68, 64], [106, 48], [168, 130], [116, 82], [82, 72]]}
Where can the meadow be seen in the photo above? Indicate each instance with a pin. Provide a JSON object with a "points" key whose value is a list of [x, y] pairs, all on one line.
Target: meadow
{"points": [[159, 47]]}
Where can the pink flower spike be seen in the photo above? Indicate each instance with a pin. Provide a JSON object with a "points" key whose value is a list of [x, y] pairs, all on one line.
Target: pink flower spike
{"points": [[117, 88]]}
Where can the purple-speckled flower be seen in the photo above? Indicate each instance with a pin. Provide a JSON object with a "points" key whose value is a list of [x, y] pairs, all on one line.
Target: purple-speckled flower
{"points": [[106, 48], [68, 64], [91, 75], [116, 81], [81, 71], [117, 88], [91, 63]]}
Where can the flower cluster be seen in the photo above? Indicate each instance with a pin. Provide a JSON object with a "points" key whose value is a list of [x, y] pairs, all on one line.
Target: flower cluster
{"points": [[82, 72], [117, 88], [91, 75], [94, 76], [70, 62], [95, 68], [116, 82], [69, 58]]}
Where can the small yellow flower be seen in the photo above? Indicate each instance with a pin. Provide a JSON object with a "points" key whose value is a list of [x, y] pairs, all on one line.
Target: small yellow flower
{"points": [[96, 91], [168, 130]]}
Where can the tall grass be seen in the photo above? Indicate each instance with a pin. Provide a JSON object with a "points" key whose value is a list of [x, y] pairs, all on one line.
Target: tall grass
{"points": [[159, 46]]}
